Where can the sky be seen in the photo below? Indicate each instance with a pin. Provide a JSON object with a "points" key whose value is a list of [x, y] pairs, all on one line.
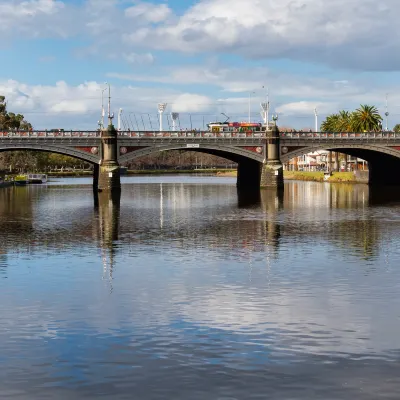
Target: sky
{"points": [[202, 58]]}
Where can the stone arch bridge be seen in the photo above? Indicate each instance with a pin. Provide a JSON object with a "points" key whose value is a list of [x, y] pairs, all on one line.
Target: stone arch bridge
{"points": [[259, 155]]}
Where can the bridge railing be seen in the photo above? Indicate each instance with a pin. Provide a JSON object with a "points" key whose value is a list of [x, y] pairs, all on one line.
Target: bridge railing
{"points": [[202, 135], [132, 134], [340, 135]]}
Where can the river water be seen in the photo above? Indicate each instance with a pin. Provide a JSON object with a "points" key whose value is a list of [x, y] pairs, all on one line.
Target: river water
{"points": [[187, 289]]}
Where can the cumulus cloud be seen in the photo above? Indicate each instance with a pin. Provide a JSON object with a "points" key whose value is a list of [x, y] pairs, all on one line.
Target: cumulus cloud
{"points": [[361, 34], [79, 107]]}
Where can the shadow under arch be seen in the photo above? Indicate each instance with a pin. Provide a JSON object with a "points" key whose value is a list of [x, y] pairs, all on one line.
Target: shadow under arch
{"points": [[67, 151], [249, 162], [383, 161]]}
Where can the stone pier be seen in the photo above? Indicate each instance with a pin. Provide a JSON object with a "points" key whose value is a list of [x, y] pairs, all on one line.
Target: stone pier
{"points": [[272, 168], [109, 171]]}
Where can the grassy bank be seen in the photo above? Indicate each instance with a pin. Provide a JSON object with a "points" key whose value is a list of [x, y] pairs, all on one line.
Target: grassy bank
{"points": [[319, 176]]}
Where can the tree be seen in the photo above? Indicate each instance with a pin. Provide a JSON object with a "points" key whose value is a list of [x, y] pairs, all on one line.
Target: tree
{"points": [[9, 120], [396, 128], [365, 119]]}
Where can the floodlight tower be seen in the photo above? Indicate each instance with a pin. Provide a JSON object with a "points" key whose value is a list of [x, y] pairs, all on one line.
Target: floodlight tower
{"points": [[316, 119], [265, 113], [161, 109], [119, 119], [174, 117], [386, 113]]}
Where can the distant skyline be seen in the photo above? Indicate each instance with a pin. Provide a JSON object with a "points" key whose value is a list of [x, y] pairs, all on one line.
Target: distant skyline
{"points": [[201, 57]]}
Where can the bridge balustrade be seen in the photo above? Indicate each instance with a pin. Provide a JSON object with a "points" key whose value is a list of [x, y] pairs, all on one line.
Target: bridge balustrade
{"points": [[204, 134]]}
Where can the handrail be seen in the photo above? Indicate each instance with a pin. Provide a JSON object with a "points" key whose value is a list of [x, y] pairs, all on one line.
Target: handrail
{"points": [[203, 135]]}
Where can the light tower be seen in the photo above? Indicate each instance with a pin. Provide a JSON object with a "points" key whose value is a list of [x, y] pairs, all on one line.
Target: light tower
{"points": [[174, 117], [265, 113], [119, 119], [161, 109], [316, 119], [386, 113]]}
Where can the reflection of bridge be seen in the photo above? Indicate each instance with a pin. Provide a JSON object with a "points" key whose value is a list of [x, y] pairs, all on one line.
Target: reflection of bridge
{"points": [[258, 154]]}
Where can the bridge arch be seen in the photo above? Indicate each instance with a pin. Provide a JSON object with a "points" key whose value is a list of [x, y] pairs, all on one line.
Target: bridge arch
{"points": [[249, 162], [233, 153], [383, 161], [67, 151]]}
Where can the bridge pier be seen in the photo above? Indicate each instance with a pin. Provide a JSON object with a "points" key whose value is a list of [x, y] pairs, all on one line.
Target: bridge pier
{"points": [[96, 171], [272, 168], [109, 172], [248, 174]]}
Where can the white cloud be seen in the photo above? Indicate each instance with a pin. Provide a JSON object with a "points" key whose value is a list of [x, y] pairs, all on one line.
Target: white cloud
{"points": [[79, 107], [362, 34], [149, 12], [135, 58]]}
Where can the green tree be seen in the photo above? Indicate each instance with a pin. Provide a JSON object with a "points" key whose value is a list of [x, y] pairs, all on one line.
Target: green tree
{"points": [[396, 128], [365, 119], [9, 120]]}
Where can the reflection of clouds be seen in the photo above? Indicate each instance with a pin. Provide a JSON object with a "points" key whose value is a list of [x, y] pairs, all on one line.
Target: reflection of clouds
{"points": [[319, 322]]}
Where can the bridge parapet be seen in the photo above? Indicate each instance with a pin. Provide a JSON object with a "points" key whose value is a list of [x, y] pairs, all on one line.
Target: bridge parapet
{"points": [[203, 135]]}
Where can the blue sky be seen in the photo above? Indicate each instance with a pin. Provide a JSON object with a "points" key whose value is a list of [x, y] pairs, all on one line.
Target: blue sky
{"points": [[202, 57]]}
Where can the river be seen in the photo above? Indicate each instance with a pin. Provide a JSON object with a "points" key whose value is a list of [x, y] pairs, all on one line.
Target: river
{"points": [[187, 289]]}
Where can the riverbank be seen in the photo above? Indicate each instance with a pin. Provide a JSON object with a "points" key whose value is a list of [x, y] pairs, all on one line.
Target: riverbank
{"points": [[336, 177], [147, 172], [5, 184], [318, 176]]}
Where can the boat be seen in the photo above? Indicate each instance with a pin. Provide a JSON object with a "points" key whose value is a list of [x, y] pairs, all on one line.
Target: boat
{"points": [[20, 180], [37, 178]]}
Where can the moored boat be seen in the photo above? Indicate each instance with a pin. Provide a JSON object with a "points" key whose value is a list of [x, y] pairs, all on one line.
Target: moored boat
{"points": [[20, 180], [37, 178]]}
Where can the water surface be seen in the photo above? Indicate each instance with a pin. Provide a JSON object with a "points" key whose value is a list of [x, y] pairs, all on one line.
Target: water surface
{"points": [[187, 289]]}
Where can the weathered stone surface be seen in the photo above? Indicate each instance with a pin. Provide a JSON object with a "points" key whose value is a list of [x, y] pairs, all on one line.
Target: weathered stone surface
{"points": [[272, 175], [109, 171], [109, 178]]}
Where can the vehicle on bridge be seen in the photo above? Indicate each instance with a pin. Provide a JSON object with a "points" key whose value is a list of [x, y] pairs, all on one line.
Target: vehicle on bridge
{"points": [[239, 127]]}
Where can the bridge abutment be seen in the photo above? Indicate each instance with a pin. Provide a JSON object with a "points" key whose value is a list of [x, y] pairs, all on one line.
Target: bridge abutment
{"points": [[109, 172], [272, 168]]}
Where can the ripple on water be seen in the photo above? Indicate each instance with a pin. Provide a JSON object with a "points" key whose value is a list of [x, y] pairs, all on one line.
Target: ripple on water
{"points": [[187, 289]]}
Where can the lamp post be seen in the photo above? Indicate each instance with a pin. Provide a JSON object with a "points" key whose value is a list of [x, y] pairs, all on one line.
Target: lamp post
{"points": [[102, 106], [174, 117], [250, 93], [119, 119], [265, 107], [386, 113], [161, 109], [316, 119]]}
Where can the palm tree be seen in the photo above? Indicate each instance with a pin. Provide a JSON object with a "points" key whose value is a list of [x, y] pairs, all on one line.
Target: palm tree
{"points": [[330, 124], [366, 119]]}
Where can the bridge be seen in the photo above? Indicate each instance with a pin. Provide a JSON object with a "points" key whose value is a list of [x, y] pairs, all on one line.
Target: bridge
{"points": [[259, 155]]}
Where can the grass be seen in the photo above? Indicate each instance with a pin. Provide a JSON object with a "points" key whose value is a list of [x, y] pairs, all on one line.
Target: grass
{"points": [[319, 176]]}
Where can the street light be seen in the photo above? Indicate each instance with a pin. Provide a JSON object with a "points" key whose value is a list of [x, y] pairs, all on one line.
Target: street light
{"points": [[250, 93], [386, 113], [316, 119], [161, 109], [265, 107], [174, 117], [102, 106], [119, 119]]}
